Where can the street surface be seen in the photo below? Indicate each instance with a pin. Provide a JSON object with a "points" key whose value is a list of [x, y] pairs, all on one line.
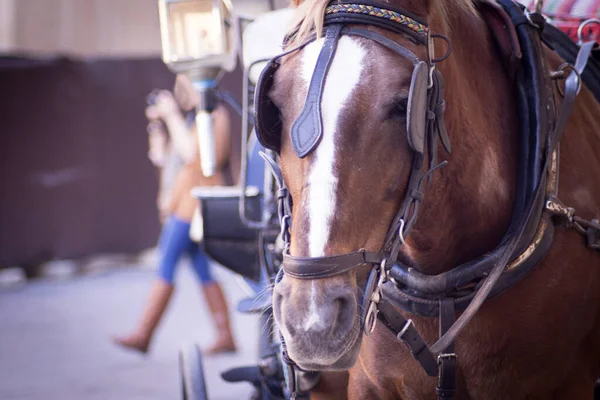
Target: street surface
{"points": [[55, 338]]}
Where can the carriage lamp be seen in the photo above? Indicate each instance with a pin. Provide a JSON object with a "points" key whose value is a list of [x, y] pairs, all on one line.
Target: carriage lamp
{"points": [[197, 40]]}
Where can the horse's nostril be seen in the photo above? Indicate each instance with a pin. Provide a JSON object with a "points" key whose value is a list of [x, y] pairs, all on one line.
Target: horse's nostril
{"points": [[345, 311], [341, 303]]}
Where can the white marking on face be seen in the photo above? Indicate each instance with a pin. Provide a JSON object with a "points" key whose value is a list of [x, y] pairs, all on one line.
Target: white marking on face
{"points": [[343, 76], [313, 317]]}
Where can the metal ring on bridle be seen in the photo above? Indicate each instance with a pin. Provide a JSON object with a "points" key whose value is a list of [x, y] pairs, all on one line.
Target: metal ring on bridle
{"points": [[583, 25], [285, 226], [448, 47], [374, 299], [563, 68], [528, 16]]}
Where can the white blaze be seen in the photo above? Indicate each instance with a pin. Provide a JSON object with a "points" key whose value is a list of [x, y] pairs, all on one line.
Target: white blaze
{"points": [[313, 317], [343, 76]]}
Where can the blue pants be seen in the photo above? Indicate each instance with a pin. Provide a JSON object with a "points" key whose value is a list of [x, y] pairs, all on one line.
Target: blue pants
{"points": [[174, 242]]}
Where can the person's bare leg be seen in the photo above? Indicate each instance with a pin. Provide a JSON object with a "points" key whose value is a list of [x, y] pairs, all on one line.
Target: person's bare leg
{"points": [[220, 314], [140, 338]]}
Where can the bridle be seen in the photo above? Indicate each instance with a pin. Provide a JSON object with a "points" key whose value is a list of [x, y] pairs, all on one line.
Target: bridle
{"points": [[425, 124], [389, 282]]}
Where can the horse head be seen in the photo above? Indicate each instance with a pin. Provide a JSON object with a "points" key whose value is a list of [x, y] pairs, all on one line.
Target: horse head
{"points": [[356, 116]]}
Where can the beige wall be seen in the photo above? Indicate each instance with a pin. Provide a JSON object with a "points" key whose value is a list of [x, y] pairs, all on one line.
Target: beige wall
{"points": [[80, 27], [91, 28]]}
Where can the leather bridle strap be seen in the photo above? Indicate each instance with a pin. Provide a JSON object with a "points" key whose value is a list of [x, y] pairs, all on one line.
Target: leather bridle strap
{"points": [[572, 86], [486, 288], [325, 267], [307, 129], [384, 41], [571, 89], [446, 387], [407, 333]]}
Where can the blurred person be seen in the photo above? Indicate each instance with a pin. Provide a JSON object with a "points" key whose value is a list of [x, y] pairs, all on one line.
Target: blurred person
{"points": [[174, 149]]}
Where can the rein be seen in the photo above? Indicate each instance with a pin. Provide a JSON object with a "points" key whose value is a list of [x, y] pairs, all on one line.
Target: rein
{"points": [[390, 283]]}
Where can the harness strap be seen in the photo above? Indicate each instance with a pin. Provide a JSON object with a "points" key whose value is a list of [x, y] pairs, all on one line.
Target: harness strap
{"points": [[407, 333], [572, 86], [447, 339], [490, 282], [446, 366], [447, 360]]}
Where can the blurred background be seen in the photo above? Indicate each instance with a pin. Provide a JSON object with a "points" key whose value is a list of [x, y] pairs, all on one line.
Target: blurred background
{"points": [[79, 222], [78, 213]]}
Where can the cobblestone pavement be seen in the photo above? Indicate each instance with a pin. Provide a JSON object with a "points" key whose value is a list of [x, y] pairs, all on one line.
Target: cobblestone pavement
{"points": [[55, 338]]}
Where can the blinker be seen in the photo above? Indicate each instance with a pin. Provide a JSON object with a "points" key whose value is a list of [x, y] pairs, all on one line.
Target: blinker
{"points": [[307, 130], [416, 113], [267, 118]]}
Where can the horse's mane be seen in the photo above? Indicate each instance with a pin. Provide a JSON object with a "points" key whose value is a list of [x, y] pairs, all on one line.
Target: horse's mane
{"points": [[309, 16]]}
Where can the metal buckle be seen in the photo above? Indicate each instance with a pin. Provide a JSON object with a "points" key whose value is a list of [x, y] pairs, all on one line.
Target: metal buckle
{"points": [[375, 299], [446, 356], [431, 56], [406, 327]]}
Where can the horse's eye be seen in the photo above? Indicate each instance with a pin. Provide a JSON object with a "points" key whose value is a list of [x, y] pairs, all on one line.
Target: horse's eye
{"points": [[398, 109]]}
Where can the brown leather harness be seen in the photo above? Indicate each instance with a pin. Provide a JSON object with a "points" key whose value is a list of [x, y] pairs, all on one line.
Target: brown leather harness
{"points": [[390, 283]]}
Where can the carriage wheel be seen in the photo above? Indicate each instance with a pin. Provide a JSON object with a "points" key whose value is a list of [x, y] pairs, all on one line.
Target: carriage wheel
{"points": [[192, 374]]}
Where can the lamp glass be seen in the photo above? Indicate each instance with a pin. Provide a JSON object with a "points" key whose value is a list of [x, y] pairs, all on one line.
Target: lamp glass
{"points": [[194, 30]]}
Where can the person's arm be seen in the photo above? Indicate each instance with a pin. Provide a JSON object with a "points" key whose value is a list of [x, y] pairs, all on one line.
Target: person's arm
{"points": [[157, 143], [182, 140]]}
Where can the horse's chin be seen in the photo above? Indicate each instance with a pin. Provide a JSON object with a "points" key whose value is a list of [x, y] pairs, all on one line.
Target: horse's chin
{"points": [[328, 362], [345, 362]]}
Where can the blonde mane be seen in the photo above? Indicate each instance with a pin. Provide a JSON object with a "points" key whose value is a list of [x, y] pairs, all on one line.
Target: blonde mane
{"points": [[308, 18]]}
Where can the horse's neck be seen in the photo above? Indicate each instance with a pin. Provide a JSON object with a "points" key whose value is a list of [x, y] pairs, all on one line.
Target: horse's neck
{"points": [[468, 208]]}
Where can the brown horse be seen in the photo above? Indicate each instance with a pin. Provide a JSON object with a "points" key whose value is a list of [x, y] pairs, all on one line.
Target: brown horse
{"points": [[538, 340]]}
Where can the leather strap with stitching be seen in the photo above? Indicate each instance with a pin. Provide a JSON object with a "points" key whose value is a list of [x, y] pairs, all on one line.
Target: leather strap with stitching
{"points": [[307, 130], [325, 267], [447, 360]]}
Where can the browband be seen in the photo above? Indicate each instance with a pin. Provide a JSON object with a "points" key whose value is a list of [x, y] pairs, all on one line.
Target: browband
{"points": [[367, 14]]}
